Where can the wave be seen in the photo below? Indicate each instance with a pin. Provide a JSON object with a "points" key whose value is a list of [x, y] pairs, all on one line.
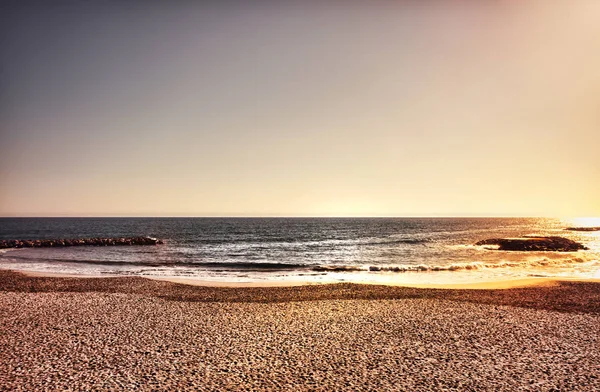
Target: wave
{"points": [[399, 241], [213, 265], [268, 243], [339, 268], [224, 266], [450, 267]]}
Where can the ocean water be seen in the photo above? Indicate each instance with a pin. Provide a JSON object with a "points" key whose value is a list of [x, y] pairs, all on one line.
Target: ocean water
{"points": [[386, 250]]}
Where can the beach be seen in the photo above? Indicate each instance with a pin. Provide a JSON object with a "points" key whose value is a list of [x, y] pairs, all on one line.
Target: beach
{"points": [[222, 196], [124, 333]]}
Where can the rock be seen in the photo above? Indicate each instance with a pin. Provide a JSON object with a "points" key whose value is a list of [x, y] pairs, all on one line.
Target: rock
{"points": [[534, 244], [79, 242], [583, 228]]}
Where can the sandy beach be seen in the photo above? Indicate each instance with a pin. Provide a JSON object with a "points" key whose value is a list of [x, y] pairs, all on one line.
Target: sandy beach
{"points": [[63, 333]]}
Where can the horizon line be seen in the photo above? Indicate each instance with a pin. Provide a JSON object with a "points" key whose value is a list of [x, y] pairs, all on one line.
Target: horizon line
{"points": [[289, 216]]}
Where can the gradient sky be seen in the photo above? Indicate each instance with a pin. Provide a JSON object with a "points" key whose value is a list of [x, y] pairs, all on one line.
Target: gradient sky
{"points": [[381, 109]]}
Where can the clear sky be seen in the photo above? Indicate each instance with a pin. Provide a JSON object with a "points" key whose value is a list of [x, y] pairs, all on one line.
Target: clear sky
{"points": [[301, 109]]}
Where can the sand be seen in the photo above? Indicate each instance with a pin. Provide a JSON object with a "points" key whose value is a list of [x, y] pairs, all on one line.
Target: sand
{"points": [[498, 283], [135, 333]]}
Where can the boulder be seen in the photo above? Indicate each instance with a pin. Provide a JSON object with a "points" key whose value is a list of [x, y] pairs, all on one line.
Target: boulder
{"points": [[583, 228], [534, 244]]}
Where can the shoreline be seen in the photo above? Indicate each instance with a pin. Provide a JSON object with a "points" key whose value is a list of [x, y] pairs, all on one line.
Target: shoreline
{"points": [[494, 284], [579, 296]]}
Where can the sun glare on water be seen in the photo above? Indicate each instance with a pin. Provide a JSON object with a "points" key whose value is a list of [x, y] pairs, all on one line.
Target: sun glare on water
{"points": [[587, 221]]}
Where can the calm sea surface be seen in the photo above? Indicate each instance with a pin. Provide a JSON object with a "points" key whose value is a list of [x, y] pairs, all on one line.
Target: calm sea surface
{"points": [[420, 250]]}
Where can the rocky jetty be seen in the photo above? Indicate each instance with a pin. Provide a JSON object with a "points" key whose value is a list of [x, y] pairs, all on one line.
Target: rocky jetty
{"points": [[534, 244], [583, 228], [79, 242]]}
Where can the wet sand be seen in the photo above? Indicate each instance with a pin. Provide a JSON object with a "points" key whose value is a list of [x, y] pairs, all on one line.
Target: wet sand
{"points": [[485, 285], [70, 333]]}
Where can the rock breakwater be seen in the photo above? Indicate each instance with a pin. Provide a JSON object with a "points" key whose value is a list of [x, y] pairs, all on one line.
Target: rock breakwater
{"points": [[534, 244], [122, 241], [583, 228]]}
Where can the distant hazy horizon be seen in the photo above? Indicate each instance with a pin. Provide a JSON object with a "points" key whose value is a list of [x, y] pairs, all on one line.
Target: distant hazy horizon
{"points": [[587, 220], [300, 109]]}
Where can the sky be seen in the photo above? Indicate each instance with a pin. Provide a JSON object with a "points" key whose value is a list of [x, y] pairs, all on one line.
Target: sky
{"points": [[454, 108]]}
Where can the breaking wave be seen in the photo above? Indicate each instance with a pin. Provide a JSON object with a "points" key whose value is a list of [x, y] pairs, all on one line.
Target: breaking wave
{"points": [[452, 267], [213, 265], [274, 266]]}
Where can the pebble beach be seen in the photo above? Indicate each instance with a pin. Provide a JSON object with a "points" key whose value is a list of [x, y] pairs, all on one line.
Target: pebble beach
{"points": [[139, 334]]}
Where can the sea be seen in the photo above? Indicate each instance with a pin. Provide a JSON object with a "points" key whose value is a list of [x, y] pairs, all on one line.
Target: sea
{"points": [[319, 250]]}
